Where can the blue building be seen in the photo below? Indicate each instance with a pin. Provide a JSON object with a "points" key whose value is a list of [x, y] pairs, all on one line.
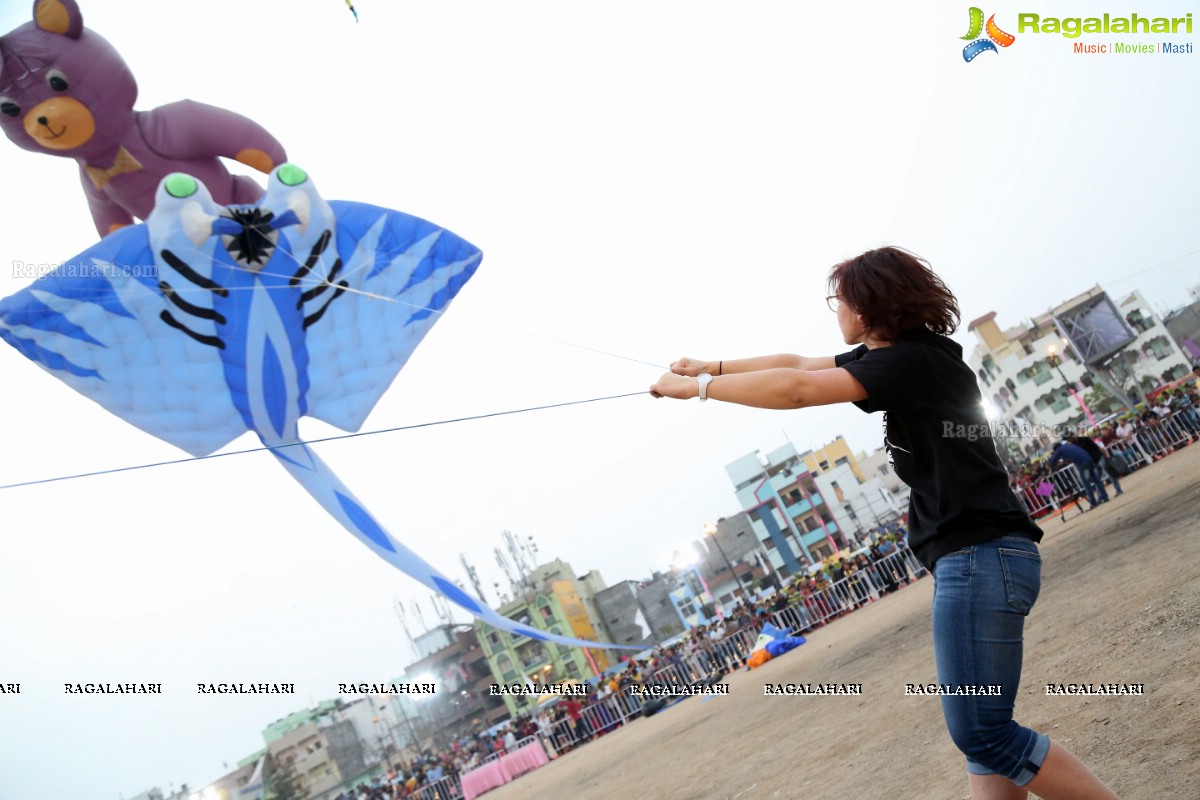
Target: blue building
{"points": [[787, 510], [689, 595]]}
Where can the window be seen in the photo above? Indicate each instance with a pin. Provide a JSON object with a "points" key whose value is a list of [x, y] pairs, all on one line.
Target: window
{"points": [[504, 664], [687, 607]]}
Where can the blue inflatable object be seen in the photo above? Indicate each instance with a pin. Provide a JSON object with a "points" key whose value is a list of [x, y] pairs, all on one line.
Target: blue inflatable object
{"points": [[776, 641], [209, 321]]}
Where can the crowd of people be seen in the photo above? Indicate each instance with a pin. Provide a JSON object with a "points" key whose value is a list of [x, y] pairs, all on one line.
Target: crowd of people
{"points": [[409, 777], [1105, 453]]}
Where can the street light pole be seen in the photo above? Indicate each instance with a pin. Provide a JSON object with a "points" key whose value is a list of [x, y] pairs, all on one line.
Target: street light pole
{"points": [[1056, 360], [711, 531]]}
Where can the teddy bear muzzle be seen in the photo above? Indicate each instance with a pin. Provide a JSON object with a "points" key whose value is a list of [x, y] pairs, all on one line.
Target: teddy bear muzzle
{"points": [[60, 123]]}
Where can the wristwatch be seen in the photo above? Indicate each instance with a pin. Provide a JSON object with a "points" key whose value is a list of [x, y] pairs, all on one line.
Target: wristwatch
{"points": [[703, 379]]}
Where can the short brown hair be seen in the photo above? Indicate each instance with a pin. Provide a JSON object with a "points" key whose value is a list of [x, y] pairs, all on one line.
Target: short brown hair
{"points": [[895, 292]]}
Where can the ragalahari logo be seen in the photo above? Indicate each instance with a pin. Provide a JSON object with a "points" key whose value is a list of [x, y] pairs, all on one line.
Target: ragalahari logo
{"points": [[995, 36]]}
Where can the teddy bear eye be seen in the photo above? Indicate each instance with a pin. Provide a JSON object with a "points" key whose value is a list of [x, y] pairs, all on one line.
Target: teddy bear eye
{"points": [[57, 80], [8, 108]]}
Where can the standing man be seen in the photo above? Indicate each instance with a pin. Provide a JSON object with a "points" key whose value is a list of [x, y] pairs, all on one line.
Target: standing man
{"points": [[1099, 464]]}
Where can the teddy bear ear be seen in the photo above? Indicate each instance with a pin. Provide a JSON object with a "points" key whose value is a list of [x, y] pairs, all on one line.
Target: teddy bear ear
{"points": [[58, 16]]}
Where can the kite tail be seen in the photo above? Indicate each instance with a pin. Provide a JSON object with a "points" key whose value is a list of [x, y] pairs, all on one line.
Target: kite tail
{"points": [[325, 487]]}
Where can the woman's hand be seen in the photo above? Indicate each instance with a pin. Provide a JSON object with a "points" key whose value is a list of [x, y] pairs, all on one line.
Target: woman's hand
{"points": [[678, 387], [692, 367]]}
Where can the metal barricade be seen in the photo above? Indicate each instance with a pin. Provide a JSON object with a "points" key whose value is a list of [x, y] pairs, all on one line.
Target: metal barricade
{"points": [[563, 736], [1067, 486], [448, 788], [850, 592], [600, 718]]}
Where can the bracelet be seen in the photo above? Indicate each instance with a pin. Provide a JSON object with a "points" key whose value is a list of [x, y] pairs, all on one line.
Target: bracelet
{"points": [[720, 367]]}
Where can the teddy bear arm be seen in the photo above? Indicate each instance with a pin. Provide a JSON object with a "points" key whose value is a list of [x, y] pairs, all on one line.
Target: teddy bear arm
{"points": [[189, 130], [107, 215]]}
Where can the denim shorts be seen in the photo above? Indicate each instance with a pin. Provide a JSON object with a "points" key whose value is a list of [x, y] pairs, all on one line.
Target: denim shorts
{"points": [[981, 597]]}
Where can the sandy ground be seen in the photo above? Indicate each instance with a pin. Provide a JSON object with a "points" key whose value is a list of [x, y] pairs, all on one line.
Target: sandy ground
{"points": [[1120, 603]]}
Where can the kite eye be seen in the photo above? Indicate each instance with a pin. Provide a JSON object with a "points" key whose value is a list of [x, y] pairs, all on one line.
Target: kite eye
{"points": [[291, 175], [8, 108], [57, 79]]}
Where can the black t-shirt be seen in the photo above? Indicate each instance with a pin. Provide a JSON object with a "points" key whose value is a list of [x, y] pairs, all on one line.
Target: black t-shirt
{"points": [[939, 442], [1089, 446]]}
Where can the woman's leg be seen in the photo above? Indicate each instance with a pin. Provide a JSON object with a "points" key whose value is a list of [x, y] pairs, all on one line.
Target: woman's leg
{"points": [[1064, 777], [981, 597], [994, 787]]}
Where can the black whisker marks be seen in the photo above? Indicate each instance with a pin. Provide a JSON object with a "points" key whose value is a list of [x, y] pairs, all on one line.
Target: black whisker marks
{"points": [[179, 265], [211, 341], [190, 308], [313, 257], [316, 315]]}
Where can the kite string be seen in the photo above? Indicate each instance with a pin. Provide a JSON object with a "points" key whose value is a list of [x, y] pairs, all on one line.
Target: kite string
{"points": [[314, 278], [333, 438]]}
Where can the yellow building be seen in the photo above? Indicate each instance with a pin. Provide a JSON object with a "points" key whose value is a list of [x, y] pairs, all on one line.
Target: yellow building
{"points": [[830, 457]]}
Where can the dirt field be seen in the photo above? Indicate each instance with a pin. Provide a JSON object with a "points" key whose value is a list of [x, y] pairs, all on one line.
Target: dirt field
{"points": [[1120, 603]]}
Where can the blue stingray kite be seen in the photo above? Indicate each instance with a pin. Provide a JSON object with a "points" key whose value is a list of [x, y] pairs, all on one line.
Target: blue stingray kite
{"points": [[208, 321]]}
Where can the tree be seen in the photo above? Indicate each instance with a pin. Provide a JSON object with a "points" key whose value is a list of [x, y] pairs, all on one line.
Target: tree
{"points": [[282, 780], [1101, 401]]}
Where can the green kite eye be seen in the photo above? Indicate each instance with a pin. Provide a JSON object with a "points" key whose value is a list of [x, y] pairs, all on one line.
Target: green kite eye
{"points": [[291, 175], [180, 185]]}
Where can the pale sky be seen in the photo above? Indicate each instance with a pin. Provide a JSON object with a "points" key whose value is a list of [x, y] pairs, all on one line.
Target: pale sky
{"points": [[646, 181]]}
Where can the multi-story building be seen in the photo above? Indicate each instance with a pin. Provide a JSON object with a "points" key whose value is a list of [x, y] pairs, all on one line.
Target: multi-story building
{"points": [[317, 761], [585, 619], [858, 505], [691, 597], [555, 605], [734, 565], [244, 783], [1027, 373], [384, 724], [831, 456], [459, 669], [640, 612], [878, 465], [1184, 326], [789, 513]]}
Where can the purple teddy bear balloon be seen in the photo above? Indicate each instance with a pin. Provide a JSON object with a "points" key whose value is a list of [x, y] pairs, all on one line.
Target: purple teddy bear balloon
{"points": [[66, 91]]}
